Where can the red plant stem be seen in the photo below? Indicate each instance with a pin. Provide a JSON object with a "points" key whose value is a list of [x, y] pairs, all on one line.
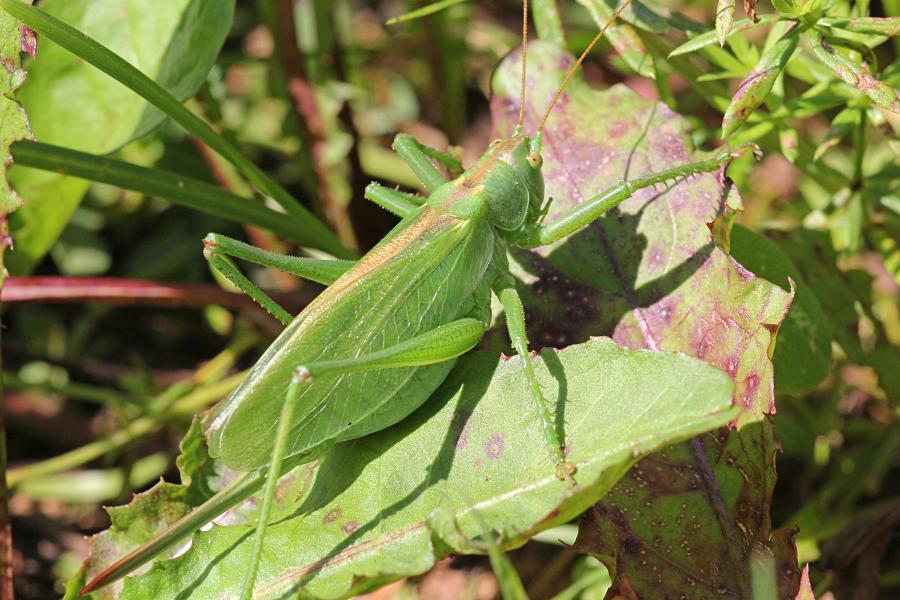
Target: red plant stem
{"points": [[131, 292]]}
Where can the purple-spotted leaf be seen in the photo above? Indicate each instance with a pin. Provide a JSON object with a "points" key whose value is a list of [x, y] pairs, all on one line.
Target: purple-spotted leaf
{"points": [[470, 461], [855, 75], [14, 40], [757, 84], [650, 275]]}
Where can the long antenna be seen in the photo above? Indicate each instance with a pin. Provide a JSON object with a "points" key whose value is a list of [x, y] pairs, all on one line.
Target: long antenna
{"points": [[524, 60], [581, 58]]}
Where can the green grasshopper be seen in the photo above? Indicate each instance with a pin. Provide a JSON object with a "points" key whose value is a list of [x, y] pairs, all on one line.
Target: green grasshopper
{"points": [[385, 332]]}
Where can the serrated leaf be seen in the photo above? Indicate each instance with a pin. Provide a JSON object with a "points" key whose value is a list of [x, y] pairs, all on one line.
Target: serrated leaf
{"points": [[72, 104], [724, 20], [757, 84], [150, 512], [802, 355], [14, 40], [857, 76], [391, 504], [650, 275], [622, 37]]}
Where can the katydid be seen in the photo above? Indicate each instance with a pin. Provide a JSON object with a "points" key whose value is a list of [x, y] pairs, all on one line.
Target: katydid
{"points": [[386, 331]]}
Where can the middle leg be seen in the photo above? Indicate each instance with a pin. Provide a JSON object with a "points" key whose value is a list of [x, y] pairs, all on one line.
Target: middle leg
{"points": [[515, 324]]}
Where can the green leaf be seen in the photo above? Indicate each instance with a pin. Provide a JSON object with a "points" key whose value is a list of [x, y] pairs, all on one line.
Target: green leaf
{"points": [[74, 105], [650, 275], [711, 37], [789, 142], [426, 10], [175, 187], [391, 504], [724, 20], [867, 25], [802, 355], [622, 37], [843, 123], [641, 15], [757, 84], [854, 75], [14, 39]]}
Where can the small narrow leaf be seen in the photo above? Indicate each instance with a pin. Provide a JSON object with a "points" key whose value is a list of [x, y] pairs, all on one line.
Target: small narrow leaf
{"points": [[724, 20], [789, 141], [843, 123], [868, 25], [753, 90], [429, 9], [711, 37], [857, 76]]}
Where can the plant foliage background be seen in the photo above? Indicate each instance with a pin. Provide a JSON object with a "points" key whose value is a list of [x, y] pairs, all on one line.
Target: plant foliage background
{"points": [[116, 334]]}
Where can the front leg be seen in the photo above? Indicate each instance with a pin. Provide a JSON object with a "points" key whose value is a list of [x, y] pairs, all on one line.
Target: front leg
{"points": [[418, 156], [593, 208], [515, 325]]}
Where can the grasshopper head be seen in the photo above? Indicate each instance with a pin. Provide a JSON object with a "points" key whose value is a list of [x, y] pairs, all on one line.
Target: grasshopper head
{"points": [[505, 186], [525, 160]]}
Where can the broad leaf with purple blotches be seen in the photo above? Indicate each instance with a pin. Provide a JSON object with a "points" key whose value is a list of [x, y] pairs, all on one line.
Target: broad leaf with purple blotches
{"points": [[650, 275], [471, 459]]}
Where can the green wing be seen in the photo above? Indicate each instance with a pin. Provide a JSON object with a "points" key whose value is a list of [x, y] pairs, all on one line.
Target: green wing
{"points": [[421, 277]]}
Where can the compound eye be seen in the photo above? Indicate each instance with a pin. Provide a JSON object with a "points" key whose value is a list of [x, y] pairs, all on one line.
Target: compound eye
{"points": [[494, 143], [535, 160]]}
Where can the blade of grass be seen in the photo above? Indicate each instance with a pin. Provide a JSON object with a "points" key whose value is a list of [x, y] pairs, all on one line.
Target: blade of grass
{"points": [[174, 187], [424, 11], [116, 67]]}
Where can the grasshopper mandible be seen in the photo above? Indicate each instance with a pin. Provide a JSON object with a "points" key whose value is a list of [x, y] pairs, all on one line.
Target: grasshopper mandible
{"points": [[385, 332]]}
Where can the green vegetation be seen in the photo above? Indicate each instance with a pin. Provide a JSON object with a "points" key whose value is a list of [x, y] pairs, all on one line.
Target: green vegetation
{"points": [[136, 128]]}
